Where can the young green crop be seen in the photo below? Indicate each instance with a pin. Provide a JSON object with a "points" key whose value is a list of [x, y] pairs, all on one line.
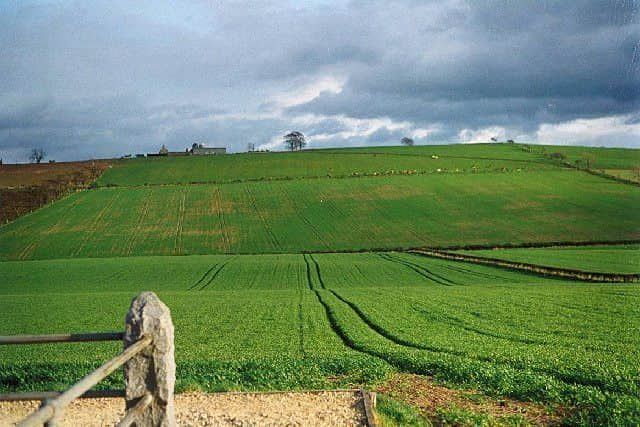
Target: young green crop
{"points": [[607, 259], [292, 321], [327, 215], [455, 158]]}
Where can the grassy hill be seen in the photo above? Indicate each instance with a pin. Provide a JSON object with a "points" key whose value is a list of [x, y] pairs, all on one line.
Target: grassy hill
{"points": [[293, 320], [323, 163], [328, 215]]}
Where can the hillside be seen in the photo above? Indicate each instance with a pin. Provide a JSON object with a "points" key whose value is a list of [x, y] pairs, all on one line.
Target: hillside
{"points": [[436, 210], [238, 247], [334, 163]]}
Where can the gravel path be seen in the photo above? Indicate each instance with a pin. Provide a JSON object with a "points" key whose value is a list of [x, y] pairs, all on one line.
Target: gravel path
{"points": [[331, 408]]}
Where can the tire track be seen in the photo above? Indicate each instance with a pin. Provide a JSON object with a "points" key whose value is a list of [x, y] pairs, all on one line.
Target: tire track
{"points": [[215, 274], [422, 271], [96, 223], [142, 217], [306, 220], [202, 279], [252, 199], [309, 281], [318, 272], [223, 224], [516, 365], [179, 226], [474, 273], [301, 323]]}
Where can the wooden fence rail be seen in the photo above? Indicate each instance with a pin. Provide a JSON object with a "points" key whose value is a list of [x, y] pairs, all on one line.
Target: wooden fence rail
{"points": [[149, 367]]}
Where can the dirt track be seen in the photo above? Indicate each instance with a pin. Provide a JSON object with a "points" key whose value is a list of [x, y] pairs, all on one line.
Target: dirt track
{"points": [[342, 408]]}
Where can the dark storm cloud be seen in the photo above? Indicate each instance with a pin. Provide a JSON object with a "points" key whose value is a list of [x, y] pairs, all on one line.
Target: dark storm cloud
{"points": [[91, 78]]}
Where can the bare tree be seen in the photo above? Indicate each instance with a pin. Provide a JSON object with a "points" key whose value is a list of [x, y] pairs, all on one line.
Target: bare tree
{"points": [[295, 140], [406, 141], [37, 154], [251, 147]]}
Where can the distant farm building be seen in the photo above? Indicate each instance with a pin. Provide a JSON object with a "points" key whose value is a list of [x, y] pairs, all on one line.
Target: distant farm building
{"points": [[202, 150], [196, 150]]}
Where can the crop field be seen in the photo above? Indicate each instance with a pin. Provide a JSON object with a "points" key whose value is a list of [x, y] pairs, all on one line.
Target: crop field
{"points": [[287, 271], [599, 157], [326, 163], [328, 215], [604, 259], [274, 321]]}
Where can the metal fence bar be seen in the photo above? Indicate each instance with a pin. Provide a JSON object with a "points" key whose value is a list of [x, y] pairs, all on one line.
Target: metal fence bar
{"points": [[42, 339], [59, 403], [41, 395], [136, 411]]}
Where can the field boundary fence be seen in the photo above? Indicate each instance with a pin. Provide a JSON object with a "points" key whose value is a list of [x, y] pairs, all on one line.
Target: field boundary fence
{"points": [[147, 358], [565, 273]]}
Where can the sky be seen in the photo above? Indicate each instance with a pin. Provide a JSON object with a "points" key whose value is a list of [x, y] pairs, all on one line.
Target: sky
{"points": [[92, 79]]}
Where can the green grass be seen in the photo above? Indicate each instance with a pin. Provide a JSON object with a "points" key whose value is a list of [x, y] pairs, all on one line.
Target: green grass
{"points": [[601, 157], [328, 215], [627, 174], [604, 259], [288, 320], [319, 320], [394, 413], [323, 163]]}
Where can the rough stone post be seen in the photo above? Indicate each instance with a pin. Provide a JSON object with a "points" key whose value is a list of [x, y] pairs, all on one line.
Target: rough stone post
{"points": [[153, 370]]}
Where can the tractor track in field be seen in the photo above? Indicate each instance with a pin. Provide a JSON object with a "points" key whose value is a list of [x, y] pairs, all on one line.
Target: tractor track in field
{"points": [[380, 331], [223, 224], [318, 272], [142, 217], [177, 243], [215, 274], [306, 220], [96, 223], [474, 273], [301, 325], [254, 203], [39, 237], [209, 275], [308, 268], [421, 270]]}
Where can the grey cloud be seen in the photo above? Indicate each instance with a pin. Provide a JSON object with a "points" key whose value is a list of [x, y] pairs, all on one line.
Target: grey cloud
{"points": [[94, 78]]}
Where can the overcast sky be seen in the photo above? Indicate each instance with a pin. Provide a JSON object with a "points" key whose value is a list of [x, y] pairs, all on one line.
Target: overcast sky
{"points": [[85, 79]]}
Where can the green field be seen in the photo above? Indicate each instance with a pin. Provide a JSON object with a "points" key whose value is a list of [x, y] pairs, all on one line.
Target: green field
{"points": [[309, 317], [600, 157], [604, 259], [244, 249], [323, 164], [328, 215]]}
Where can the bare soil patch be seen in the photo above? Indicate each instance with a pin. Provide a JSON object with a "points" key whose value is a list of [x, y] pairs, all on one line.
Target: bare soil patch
{"points": [[422, 393], [26, 187]]}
